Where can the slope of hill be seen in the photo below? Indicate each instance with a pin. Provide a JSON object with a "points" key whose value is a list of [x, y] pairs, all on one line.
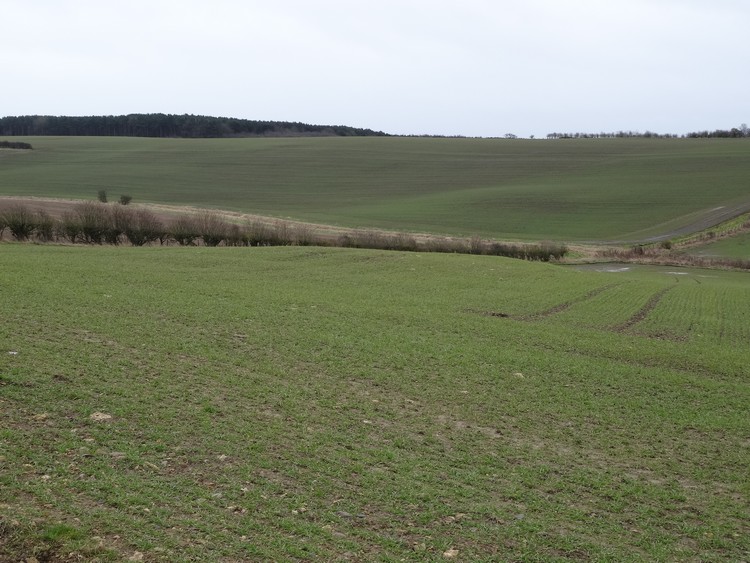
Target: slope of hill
{"points": [[615, 189]]}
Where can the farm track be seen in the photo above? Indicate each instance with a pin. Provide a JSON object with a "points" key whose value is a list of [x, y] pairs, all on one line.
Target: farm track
{"points": [[713, 217], [707, 220]]}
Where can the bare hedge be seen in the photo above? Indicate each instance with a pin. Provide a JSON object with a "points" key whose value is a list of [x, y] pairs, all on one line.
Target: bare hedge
{"points": [[99, 223]]}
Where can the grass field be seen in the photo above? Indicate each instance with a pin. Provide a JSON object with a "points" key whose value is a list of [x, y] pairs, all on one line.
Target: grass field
{"points": [[334, 404], [732, 247], [561, 190]]}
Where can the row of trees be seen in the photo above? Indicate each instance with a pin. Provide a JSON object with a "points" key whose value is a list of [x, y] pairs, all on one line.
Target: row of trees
{"points": [[735, 133], [14, 145], [99, 223], [167, 125]]}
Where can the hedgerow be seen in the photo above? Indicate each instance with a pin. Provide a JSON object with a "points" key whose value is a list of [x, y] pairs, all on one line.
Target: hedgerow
{"points": [[95, 222]]}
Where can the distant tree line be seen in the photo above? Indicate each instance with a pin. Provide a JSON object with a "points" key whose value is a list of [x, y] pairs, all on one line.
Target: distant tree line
{"points": [[14, 145], [734, 133], [167, 125]]}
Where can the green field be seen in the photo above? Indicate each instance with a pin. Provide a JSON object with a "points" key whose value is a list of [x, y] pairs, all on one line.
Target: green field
{"points": [[522, 189], [333, 404], [732, 247]]}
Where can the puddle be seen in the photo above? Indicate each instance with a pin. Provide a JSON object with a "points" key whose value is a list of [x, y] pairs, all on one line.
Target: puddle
{"points": [[624, 268]]}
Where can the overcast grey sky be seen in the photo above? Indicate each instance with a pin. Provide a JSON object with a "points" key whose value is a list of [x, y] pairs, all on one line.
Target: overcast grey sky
{"points": [[469, 67]]}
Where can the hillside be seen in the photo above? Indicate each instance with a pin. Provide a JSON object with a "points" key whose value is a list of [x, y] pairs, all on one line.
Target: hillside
{"points": [[570, 190]]}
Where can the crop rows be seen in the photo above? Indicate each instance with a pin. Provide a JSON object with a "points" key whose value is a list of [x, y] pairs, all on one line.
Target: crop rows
{"points": [[621, 189], [304, 403], [703, 312]]}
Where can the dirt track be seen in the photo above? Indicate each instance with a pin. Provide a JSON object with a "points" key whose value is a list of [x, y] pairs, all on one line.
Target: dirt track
{"points": [[708, 220]]}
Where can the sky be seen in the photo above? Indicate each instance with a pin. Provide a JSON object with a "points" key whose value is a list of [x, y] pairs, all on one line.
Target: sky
{"points": [[466, 67]]}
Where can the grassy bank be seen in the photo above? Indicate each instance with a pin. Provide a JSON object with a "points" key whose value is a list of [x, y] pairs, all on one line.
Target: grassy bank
{"points": [[297, 403]]}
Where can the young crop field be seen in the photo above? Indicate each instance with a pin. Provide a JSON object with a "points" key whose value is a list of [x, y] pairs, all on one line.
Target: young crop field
{"points": [[226, 404], [605, 189], [731, 247]]}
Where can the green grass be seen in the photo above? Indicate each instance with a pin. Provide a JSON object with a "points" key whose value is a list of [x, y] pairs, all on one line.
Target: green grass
{"points": [[561, 190], [733, 247], [307, 403]]}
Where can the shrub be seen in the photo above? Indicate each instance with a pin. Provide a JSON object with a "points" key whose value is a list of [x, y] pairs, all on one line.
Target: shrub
{"points": [[476, 245], [552, 250], [345, 241], [444, 244], [235, 236], [119, 219], [142, 226], [69, 227], [102, 196], [255, 234], [184, 230], [94, 221], [125, 199], [401, 241], [45, 226], [212, 228], [19, 220], [14, 145], [281, 234], [301, 235]]}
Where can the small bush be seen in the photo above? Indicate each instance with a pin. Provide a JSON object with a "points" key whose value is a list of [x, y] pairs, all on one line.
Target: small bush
{"points": [[142, 227], [212, 228], [185, 230], [19, 220], [125, 199], [445, 245], [255, 234], [14, 145], [301, 235], [69, 228], [476, 245], [45, 226], [102, 196], [402, 242], [235, 236], [94, 220], [119, 220]]}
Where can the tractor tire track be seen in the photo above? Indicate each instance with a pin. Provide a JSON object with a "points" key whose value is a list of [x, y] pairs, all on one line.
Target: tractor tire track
{"points": [[567, 304], [644, 311], [552, 310]]}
